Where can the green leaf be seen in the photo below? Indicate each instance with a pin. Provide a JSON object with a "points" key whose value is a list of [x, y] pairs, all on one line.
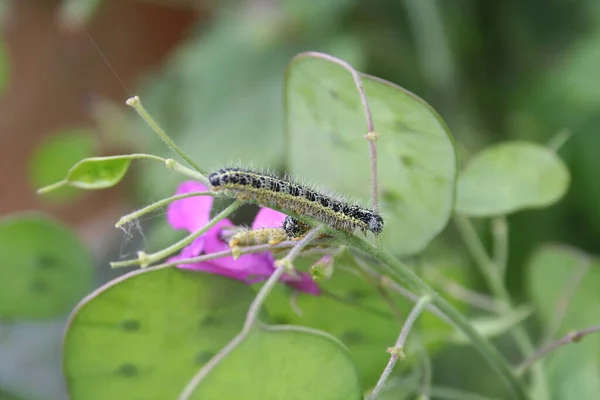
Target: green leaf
{"points": [[147, 333], [490, 327], [45, 268], [55, 156], [415, 153], [510, 177], [7, 396], [99, 172], [355, 312], [573, 369], [94, 173], [282, 363]]}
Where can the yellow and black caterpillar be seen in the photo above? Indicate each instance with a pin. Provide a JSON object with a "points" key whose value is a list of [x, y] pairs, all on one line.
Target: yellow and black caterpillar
{"points": [[272, 191]]}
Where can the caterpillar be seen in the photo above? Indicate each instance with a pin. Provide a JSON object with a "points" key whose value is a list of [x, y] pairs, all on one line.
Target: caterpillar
{"points": [[271, 191], [247, 237], [294, 228]]}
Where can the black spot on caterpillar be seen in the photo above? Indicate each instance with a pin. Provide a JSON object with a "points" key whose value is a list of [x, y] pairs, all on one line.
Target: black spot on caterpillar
{"points": [[294, 228], [272, 191]]}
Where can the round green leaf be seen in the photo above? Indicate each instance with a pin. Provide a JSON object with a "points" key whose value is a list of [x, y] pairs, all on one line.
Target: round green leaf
{"points": [[415, 153], [143, 336], [44, 267], [509, 177], [99, 172], [284, 362], [53, 158]]}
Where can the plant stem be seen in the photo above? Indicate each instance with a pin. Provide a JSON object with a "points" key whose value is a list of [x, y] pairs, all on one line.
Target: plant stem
{"points": [[137, 105], [406, 276], [397, 351], [146, 259], [159, 204], [251, 316], [500, 234], [495, 282], [573, 337], [371, 135]]}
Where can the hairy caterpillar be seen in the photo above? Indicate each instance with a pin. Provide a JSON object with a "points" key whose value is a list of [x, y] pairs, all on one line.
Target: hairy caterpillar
{"points": [[294, 228], [247, 237], [272, 191]]}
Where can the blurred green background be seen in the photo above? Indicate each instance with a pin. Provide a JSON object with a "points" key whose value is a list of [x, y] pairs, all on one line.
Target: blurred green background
{"points": [[212, 74]]}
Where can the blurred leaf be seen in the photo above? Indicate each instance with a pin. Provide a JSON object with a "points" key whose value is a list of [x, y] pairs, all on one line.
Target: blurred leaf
{"points": [[44, 269], [509, 177], [55, 155], [146, 334], [281, 363], [573, 369], [7, 396], [30, 359], [220, 95], [491, 327], [416, 160]]}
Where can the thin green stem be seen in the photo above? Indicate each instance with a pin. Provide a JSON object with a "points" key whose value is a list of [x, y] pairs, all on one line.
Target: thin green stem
{"points": [[500, 234], [493, 278], [137, 105], [144, 260], [407, 277], [175, 166], [397, 352], [159, 204], [251, 316], [486, 265]]}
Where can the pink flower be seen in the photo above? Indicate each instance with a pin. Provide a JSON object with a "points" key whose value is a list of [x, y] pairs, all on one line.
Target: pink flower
{"points": [[193, 213]]}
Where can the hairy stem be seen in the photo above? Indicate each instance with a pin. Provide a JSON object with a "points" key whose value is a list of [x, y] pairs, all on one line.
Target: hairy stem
{"points": [[371, 135], [397, 351]]}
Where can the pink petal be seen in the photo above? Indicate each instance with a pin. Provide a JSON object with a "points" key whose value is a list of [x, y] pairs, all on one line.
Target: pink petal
{"points": [[252, 264], [267, 218], [192, 213], [304, 283]]}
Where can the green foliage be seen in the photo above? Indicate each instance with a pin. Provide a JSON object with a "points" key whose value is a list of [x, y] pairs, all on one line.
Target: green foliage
{"points": [[55, 156], [95, 173], [284, 362], [573, 369], [147, 333], [44, 270], [98, 172], [509, 177], [416, 160]]}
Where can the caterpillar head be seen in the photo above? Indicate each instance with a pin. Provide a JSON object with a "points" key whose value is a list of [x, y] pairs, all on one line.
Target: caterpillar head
{"points": [[376, 224]]}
